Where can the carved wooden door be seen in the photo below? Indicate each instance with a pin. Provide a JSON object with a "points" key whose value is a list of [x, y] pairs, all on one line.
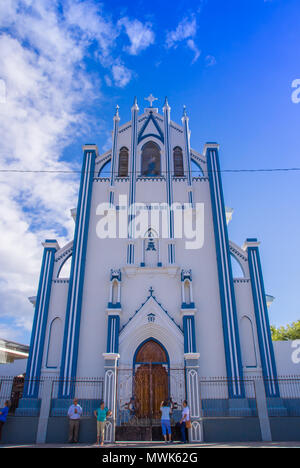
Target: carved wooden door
{"points": [[150, 380]]}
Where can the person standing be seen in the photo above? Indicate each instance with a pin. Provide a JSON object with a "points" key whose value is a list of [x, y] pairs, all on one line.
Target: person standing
{"points": [[185, 420], [101, 414], [74, 415], [3, 416], [166, 410]]}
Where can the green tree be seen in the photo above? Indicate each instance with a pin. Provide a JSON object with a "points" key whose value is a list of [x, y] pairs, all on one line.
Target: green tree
{"points": [[285, 333]]}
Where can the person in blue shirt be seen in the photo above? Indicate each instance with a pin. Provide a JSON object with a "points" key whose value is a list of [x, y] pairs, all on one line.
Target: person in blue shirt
{"points": [[101, 414], [3, 416], [166, 410], [74, 415]]}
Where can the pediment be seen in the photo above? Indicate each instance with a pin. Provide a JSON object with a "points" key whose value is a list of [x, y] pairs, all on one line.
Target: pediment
{"points": [[151, 319], [150, 129]]}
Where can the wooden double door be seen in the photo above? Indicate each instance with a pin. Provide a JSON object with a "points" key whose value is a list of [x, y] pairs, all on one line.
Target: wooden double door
{"points": [[151, 380]]}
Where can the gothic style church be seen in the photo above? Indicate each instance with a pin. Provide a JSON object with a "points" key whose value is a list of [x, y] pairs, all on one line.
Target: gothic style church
{"points": [[133, 303]]}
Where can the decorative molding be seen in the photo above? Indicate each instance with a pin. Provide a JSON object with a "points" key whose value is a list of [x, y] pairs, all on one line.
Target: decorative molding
{"points": [[131, 271], [149, 298]]}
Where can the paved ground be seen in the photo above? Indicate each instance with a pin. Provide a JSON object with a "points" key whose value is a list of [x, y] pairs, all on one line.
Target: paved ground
{"points": [[152, 445]]}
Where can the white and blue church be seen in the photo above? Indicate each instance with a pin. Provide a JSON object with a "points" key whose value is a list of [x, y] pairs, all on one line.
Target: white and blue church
{"points": [[146, 314]]}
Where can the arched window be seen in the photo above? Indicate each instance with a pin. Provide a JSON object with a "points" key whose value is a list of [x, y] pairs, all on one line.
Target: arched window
{"points": [[123, 162], [178, 162], [150, 160]]}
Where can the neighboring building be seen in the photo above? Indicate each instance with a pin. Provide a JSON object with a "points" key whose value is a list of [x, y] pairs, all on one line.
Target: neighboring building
{"points": [[11, 351]]}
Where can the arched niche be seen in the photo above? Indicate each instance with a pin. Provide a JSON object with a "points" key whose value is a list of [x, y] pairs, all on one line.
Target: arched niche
{"points": [[247, 342], [54, 343]]}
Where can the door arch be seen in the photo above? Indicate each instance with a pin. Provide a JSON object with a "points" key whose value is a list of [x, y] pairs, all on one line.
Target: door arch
{"points": [[151, 378]]}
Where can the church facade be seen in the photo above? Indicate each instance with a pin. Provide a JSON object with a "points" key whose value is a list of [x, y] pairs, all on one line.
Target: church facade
{"points": [[151, 283]]}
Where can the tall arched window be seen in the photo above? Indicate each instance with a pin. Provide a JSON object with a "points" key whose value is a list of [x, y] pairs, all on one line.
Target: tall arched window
{"points": [[150, 160], [123, 162], [178, 162]]}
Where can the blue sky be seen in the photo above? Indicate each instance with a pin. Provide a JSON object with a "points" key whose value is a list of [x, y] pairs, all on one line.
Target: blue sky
{"points": [[65, 65]]}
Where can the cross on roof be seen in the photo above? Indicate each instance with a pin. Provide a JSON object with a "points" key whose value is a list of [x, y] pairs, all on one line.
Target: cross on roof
{"points": [[150, 98]]}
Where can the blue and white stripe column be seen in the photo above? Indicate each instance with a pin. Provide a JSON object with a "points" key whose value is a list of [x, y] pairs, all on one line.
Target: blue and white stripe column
{"points": [[113, 329], [189, 334], [186, 131], [74, 304], [34, 364], [171, 245], [262, 320], [132, 183], [226, 286], [114, 156]]}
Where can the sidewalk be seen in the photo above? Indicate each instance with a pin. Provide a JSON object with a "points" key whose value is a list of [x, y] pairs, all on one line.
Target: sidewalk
{"points": [[161, 445]]}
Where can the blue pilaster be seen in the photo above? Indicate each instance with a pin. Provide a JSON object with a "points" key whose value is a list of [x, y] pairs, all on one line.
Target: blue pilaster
{"points": [[186, 132], [189, 334], [74, 304], [171, 246], [34, 363], [114, 156], [226, 286], [113, 334], [132, 183], [262, 320]]}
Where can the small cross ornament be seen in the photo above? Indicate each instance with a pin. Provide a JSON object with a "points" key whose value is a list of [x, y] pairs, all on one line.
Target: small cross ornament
{"points": [[150, 99]]}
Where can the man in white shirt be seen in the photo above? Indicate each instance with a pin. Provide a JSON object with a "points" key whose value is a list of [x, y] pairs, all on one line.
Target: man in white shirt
{"points": [[74, 415]]}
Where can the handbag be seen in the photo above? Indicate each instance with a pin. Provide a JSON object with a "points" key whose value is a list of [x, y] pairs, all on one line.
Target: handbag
{"points": [[188, 424]]}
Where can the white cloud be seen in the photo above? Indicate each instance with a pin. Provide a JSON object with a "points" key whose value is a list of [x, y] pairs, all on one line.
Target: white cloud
{"points": [[140, 35], [185, 32], [191, 44], [121, 75], [42, 48]]}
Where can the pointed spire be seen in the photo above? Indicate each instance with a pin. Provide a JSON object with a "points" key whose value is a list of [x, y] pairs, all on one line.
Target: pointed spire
{"points": [[116, 116], [135, 104], [166, 104], [184, 111]]}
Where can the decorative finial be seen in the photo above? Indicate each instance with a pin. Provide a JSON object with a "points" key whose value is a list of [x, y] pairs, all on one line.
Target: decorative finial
{"points": [[184, 111], [166, 104], [151, 291], [151, 99], [117, 109], [135, 104]]}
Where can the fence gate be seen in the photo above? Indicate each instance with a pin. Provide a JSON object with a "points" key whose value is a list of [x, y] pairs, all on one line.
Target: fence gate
{"points": [[140, 392]]}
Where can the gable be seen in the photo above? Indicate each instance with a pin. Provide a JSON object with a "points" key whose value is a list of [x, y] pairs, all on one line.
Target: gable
{"points": [[150, 129]]}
